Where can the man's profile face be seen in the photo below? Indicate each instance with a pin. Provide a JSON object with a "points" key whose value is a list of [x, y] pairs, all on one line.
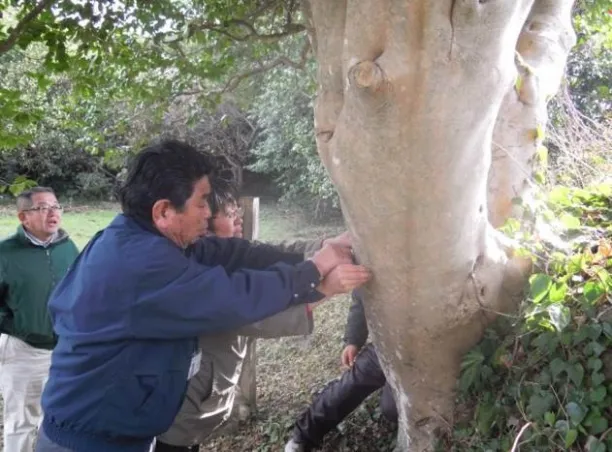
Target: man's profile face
{"points": [[189, 224], [43, 218]]}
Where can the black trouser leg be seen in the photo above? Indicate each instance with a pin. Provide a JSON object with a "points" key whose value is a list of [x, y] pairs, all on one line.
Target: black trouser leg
{"points": [[388, 408], [163, 447], [340, 398]]}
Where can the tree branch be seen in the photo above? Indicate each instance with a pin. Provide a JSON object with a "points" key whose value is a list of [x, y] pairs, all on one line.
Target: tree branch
{"points": [[235, 81], [9, 42], [252, 33]]}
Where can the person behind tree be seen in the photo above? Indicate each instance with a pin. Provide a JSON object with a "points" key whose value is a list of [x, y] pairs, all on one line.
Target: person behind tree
{"points": [[212, 393], [339, 398], [130, 309]]}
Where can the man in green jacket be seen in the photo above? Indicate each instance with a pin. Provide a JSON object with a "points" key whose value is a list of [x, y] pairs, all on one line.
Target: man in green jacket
{"points": [[32, 262]]}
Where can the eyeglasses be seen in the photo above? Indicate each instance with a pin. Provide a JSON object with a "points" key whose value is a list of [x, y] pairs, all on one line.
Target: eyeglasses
{"points": [[236, 213], [45, 209], [231, 213]]}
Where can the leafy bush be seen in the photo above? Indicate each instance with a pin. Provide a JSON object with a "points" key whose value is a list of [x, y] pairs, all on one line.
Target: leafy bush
{"points": [[66, 168], [287, 149], [547, 384]]}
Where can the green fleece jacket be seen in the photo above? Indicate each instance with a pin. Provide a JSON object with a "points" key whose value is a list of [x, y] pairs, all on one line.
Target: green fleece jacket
{"points": [[28, 274]]}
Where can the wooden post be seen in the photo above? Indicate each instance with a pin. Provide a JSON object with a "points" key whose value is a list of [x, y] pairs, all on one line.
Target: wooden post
{"points": [[250, 207], [247, 394]]}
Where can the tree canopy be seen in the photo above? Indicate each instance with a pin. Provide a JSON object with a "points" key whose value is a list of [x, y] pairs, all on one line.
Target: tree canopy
{"points": [[101, 77]]}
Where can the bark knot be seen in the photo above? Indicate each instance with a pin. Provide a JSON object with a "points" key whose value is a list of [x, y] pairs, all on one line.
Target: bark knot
{"points": [[367, 75]]}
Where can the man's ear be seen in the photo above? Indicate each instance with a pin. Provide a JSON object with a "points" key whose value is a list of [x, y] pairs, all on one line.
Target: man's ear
{"points": [[162, 213], [22, 216]]}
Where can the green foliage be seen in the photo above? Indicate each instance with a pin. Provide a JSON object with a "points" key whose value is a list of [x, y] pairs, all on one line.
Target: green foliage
{"points": [[287, 149], [17, 185], [146, 51], [589, 67], [550, 368]]}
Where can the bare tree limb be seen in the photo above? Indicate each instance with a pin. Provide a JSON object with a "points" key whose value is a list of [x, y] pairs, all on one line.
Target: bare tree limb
{"points": [[10, 42]]}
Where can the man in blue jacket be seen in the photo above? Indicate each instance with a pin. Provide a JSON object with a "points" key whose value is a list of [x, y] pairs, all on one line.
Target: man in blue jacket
{"points": [[129, 311]]}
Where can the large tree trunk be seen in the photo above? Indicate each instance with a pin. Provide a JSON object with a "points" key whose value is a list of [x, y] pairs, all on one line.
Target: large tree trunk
{"points": [[410, 93]]}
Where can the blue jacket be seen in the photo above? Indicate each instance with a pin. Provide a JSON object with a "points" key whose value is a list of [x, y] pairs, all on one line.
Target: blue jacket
{"points": [[127, 315]]}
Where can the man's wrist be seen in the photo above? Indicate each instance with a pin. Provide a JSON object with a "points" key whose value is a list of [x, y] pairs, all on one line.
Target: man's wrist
{"points": [[322, 269]]}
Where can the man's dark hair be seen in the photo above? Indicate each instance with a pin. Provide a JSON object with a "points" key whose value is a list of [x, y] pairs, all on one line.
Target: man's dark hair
{"points": [[24, 199], [167, 170]]}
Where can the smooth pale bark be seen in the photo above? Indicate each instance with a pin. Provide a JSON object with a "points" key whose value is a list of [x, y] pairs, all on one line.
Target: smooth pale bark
{"points": [[541, 54], [410, 93]]}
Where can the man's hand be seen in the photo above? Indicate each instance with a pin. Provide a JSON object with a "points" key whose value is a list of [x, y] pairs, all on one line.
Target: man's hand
{"points": [[329, 257], [344, 240], [348, 355], [343, 279]]}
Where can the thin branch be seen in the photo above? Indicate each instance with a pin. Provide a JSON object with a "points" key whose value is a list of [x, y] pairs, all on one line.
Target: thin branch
{"points": [[251, 33], [235, 81], [9, 42]]}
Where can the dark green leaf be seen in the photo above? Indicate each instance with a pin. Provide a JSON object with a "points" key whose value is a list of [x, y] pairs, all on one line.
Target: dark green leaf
{"points": [[486, 416], [575, 412], [594, 330], [594, 364], [598, 425], [575, 373], [597, 378], [562, 425], [598, 394], [540, 404], [557, 366], [594, 348], [594, 445], [570, 437], [593, 290]]}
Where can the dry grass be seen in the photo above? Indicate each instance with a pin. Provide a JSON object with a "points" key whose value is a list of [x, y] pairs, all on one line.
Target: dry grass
{"points": [[289, 372], [581, 149]]}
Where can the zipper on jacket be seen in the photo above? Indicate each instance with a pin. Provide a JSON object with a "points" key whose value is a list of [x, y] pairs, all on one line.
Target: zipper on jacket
{"points": [[48, 253]]}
